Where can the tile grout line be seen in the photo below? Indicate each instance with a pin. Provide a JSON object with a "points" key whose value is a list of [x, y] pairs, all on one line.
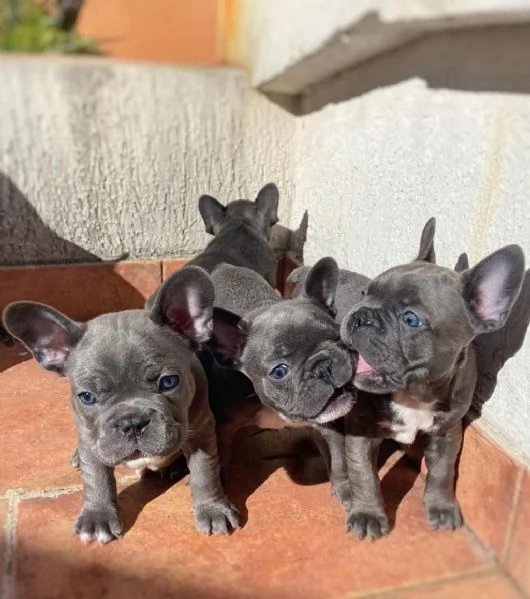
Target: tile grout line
{"points": [[516, 500], [426, 584], [22, 495], [10, 529]]}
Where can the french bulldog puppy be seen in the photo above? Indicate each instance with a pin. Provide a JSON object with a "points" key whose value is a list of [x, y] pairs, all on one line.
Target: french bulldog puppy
{"points": [[241, 232], [139, 396], [414, 329], [291, 352]]}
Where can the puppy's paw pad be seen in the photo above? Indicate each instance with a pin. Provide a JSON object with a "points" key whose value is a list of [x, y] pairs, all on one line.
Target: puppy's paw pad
{"points": [[98, 526], [364, 524], [447, 517], [218, 518], [342, 491]]}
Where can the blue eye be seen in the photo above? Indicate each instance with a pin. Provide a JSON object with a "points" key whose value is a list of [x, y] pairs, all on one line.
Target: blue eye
{"points": [[279, 372], [167, 383], [87, 398], [411, 319]]}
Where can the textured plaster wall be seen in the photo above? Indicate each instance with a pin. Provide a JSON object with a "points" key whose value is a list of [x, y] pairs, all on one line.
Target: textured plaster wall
{"points": [[98, 159], [372, 170], [289, 45]]}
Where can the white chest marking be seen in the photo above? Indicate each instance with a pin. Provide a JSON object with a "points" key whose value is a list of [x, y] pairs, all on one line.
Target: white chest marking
{"points": [[414, 420], [149, 463]]}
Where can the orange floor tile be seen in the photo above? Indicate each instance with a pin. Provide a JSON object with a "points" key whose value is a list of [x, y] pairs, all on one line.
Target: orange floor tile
{"points": [[293, 543]]}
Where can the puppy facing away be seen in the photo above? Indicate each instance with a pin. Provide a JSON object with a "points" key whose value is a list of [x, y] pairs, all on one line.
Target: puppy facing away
{"points": [[139, 396], [414, 329], [241, 232], [290, 350]]}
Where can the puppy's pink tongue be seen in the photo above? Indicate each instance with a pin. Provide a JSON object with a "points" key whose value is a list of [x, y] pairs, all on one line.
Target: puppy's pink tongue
{"points": [[363, 367]]}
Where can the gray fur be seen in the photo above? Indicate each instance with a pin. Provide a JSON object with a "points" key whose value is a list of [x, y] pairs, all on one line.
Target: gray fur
{"points": [[242, 230], [254, 331], [426, 375], [120, 358]]}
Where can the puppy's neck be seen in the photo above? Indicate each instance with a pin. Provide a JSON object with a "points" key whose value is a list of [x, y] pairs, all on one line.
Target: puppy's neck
{"points": [[426, 393]]}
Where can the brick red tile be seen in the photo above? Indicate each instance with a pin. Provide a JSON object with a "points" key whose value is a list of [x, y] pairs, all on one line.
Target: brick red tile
{"points": [[486, 487], [82, 291], [293, 545], [40, 437], [518, 561], [171, 266], [489, 586]]}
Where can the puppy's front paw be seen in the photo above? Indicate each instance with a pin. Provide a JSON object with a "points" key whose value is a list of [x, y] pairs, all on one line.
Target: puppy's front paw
{"points": [[364, 523], [216, 517], [98, 526], [342, 490], [447, 517]]}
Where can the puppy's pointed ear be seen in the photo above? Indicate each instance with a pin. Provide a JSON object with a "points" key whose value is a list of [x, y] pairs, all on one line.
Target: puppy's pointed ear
{"points": [[321, 284], [184, 303], [228, 339], [267, 204], [462, 263], [491, 287], [426, 253], [48, 334], [212, 212]]}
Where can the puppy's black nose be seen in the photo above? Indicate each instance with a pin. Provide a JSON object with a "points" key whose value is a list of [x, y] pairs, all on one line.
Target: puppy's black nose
{"points": [[132, 426], [364, 318], [324, 371]]}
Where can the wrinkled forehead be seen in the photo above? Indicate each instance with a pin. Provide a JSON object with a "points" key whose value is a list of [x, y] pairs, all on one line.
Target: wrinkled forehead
{"points": [[125, 346], [292, 326], [240, 209], [414, 284]]}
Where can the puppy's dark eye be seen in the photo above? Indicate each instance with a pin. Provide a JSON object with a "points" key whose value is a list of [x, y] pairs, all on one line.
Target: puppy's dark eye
{"points": [[167, 383], [87, 398], [363, 292], [279, 372], [411, 319]]}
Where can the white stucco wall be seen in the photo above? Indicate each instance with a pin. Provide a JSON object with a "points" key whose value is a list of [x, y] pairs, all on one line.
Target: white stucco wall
{"points": [[100, 158], [372, 170]]}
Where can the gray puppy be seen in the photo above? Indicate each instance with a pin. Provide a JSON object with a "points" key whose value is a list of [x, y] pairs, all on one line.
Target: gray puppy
{"points": [[414, 329], [290, 350], [242, 230], [139, 395]]}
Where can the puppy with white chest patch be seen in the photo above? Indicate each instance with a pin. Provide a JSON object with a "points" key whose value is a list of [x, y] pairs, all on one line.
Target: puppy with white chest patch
{"points": [[139, 396], [414, 328]]}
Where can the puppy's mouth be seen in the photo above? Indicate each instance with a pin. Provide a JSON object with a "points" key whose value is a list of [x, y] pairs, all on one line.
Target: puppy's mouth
{"points": [[364, 372], [338, 405], [367, 378]]}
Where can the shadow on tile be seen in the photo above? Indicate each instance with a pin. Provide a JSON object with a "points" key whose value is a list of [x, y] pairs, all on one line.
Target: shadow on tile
{"points": [[26, 241], [133, 499]]}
